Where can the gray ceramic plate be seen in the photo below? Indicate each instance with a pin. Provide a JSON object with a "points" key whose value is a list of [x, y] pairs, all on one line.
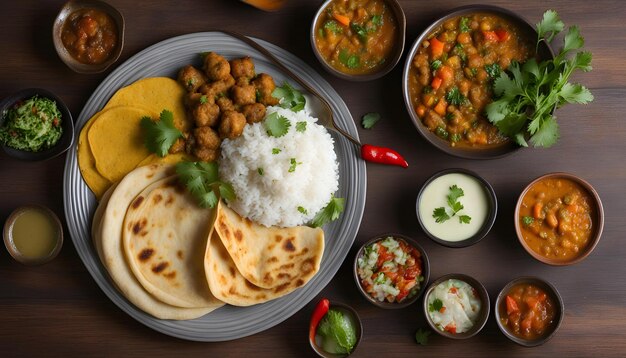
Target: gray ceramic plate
{"points": [[227, 323]]}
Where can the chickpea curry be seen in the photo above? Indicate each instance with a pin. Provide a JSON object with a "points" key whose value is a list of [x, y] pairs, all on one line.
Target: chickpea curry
{"points": [[528, 312], [451, 78], [90, 36], [555, 218], [221, 99], [356, 36]]}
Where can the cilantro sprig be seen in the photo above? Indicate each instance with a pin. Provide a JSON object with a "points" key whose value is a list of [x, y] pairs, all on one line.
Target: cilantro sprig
{"points": [[330, 213], [370, 119], [435, 305], [421, 336], [202, 181], [276, 125], [290, 98], [527, 94], [441, 214], [160, 135]]}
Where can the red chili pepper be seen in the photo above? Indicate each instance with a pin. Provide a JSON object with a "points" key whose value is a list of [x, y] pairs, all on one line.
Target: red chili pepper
{"points": [[320, 311], [382, 155]]}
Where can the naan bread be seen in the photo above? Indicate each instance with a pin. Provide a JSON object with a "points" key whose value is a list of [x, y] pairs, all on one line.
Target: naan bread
{"points": [[165, 236], [228, 285], [270, 257], [97, 219], [110, 237]]}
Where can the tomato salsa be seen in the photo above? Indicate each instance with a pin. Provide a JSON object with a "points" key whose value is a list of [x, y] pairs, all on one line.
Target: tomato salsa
{"points": [[528, 312], [452, 74], [555, 218], [356, 36], [90, 36], [391, 270]]}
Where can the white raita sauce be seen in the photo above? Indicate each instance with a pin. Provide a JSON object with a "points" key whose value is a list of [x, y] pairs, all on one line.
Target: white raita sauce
{"points": [[475, 204]]}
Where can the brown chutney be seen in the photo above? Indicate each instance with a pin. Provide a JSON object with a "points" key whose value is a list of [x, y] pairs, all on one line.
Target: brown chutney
{"points": [[90, 36], [451, 77]]}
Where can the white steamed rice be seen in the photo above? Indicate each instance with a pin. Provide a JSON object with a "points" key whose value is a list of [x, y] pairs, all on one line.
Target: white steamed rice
{"points": [[273, 198]]}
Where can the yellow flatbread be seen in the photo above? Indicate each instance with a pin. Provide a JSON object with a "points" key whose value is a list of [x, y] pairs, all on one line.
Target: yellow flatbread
{"points": [[87, 163], [116, 141]]}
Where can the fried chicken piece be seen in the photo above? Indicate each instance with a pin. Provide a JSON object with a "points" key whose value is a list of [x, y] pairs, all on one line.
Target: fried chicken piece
{"points": [[206, 114], [242, 67], [243, 95], [232, 124], [191, 78], [254, 112], [216, 66], [265, 85]]}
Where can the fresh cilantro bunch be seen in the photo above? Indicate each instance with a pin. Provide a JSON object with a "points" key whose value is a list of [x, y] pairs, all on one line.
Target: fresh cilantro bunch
{"points": [[330, 213], [527, 94], [441, 214], [202, 181], [160, 135], [290, 98]]}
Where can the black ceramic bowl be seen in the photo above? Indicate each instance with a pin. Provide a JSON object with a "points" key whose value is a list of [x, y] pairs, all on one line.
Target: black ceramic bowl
{"points": [[393, 60], [489, 221], [67, 123], [441, 144], [425, 272], [550, 291], [484, 308]]}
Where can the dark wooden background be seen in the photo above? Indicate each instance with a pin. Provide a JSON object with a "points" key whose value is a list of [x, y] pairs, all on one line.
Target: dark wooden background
{"points": [[58, 310]]}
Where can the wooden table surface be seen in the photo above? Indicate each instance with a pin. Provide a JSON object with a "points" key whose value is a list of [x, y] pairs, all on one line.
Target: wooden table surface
{"points": [[57, 309]]}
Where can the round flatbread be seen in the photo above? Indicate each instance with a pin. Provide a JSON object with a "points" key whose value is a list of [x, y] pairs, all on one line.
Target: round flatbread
{"points": [[165, 236], [228, 284], [116, 141], [87, 163], [110, 237], [270, 257]]}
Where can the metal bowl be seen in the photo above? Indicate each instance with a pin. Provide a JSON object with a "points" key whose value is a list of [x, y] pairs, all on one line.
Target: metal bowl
{"points": [[484, 312], [469, 153], [394, 5], [67, 123], [598, 220], [57, 29], [425, 272], [550, 290]]}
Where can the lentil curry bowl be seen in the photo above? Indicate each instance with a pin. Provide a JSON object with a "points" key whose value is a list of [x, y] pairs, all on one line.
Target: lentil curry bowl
{"points": [[449, 77]]}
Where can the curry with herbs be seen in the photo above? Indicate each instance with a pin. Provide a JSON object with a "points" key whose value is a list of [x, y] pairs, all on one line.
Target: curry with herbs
{"points": [[528, 312], [556, 218], [356, 36], [452, 76]]}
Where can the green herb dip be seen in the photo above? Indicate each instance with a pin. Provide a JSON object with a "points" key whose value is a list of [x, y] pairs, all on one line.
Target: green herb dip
{"points": [[32, 125], [336, 332]]}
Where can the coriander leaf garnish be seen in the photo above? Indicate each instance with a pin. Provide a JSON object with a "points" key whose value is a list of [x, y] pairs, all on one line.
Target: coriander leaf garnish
{"points": [[202, 181], [377, 20], [421, 336], [260, 171], [350, 61], [330, 213], [160, 135], [276, 125], [370, 119], [435, 65], [359, 30], [455, 97], [302, 210], [333, 26], [276, 150], [290, 98], [301, 126], [293, 164], [493, 70], [436, 305], [464, 24], [527, 95], [441, 214], [203, 99], [528, 220]]}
